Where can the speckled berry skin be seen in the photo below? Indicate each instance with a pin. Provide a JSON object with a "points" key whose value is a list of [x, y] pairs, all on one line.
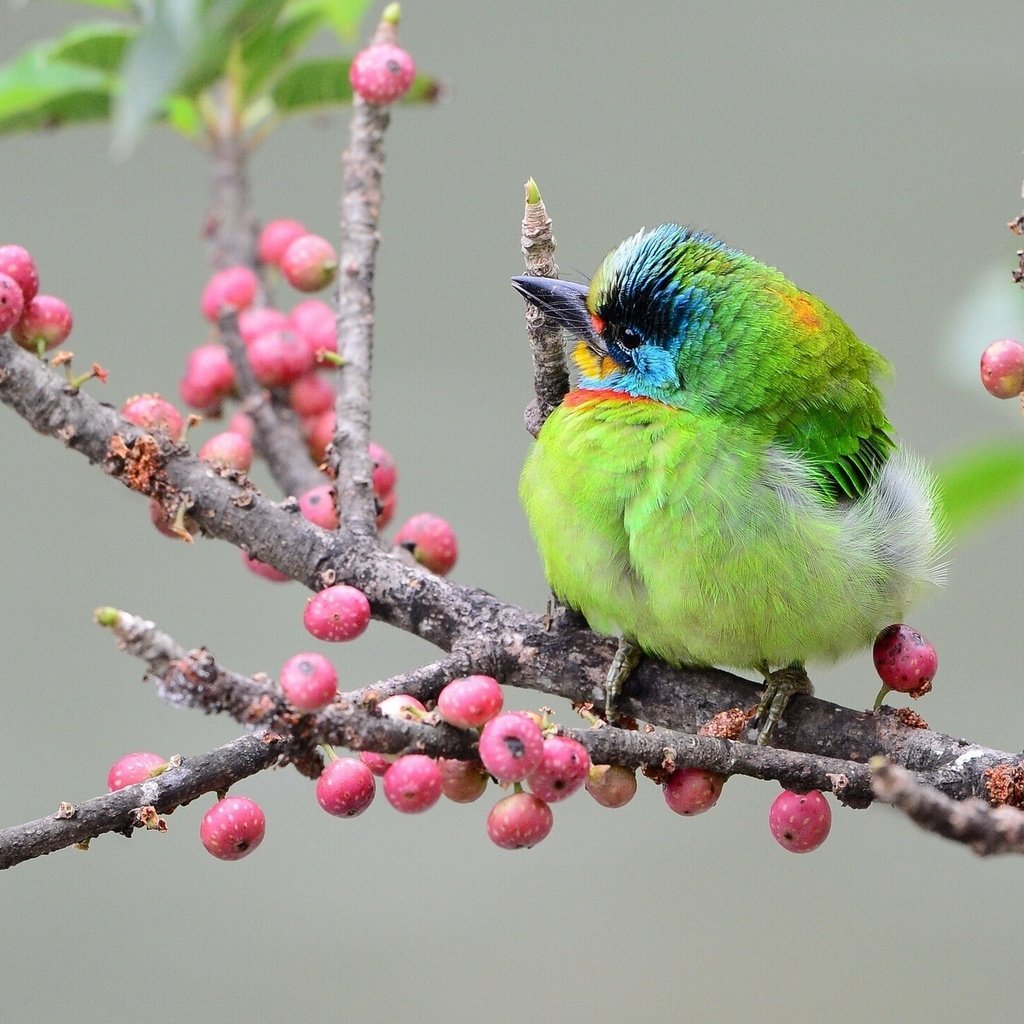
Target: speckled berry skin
{"points": [[346, 787], [413, 783], [11, 303], [337, 613], [511, 746], [471, 701], [314, 320], [267, 572], [800, 822], [45, 323], [308, 681], [382, 74], [462, 782], [133, 768], [228, 449], [276, 236], [279, 358], [611, 785], [904, 660], [233, 288], [690, 791], [1002, 368], [309, 263], [563, 770], [209, 377], [377, 763], [318, 506], [233, 827], [17, 263], [430, 540], [519, 821], [153, 413]]}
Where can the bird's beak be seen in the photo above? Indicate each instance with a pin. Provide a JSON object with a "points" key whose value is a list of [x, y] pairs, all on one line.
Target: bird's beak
{"points": [[563, 301]]}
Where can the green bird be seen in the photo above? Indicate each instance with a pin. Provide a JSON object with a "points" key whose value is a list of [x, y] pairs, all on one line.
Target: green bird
{"points": [[721, 486]]}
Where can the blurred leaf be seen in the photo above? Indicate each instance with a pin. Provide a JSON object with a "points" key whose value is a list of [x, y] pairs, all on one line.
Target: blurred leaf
{"points": [[976, 485], [343, 16], [265, 52], [114, 5], [183, 116], [94, 46]]}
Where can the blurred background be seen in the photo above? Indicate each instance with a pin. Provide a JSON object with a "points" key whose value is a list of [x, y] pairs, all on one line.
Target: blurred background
{"points": [[874, 153]]}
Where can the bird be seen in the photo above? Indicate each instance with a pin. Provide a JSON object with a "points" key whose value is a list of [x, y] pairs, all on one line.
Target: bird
{"points": [[721, 486]]}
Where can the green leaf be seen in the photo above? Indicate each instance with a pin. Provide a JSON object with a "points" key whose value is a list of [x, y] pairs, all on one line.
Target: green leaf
{"points": [[977, 485], [114, 5], [343, 16], [94, 46], [313, 84], [265, 53], [183, 116]]}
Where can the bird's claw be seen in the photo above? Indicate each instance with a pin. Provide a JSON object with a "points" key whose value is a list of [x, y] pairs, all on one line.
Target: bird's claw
{"points": [[627, 657], [780, 687]]}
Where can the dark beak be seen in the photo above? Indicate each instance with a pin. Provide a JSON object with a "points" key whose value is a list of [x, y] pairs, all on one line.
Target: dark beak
{"points": [[563, 301]]}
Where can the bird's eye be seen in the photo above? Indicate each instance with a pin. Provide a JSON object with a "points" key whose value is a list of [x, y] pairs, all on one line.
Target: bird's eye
{"points": [[629, 339]]}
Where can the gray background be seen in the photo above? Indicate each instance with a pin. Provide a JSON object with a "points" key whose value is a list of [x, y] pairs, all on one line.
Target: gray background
{"points": [[871, 151]]}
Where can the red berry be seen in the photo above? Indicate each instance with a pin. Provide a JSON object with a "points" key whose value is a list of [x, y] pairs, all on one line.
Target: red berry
{"points": [[511, 746], [132, 768], [345, 787], [241, 423], [461, 781], [320, 433], [611, 785], [209, 377], [259, 320], [268, 572], [904, 660], [228, 449], [314, 320], [11, 303], [318, 506], [386, 509], [1002, 368], [382, 73], [153, 413], [232, 289], [45, 323], [800, 822], [430, 540], [471, 701], [233, 827], [337, 613], [311, 395], [691, 791], [308, 681], [519, 821], [563, 770], [377, 763], [403, 706], [309, 263], [278, 358], [276, 236], [384, 472], [17, 263], [413, 783]]}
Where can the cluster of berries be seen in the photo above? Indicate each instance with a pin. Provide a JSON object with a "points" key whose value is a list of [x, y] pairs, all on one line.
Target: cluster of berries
{"points": [[36, 322]]}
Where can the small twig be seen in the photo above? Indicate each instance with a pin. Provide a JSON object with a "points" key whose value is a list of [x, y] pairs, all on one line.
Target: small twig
{"points": [[423, 683]]}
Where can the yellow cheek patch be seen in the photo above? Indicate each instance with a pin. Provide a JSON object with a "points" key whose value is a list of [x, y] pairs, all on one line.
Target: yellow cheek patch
{"points": [[590, 364]]}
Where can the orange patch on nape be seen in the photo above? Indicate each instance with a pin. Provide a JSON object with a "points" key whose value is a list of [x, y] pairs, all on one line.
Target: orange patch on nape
{"points": [[583, 395], [803, 311]]}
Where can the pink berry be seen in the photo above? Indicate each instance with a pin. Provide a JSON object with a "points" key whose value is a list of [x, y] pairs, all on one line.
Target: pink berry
{"points": [[519, 821], [257, 320], [45, 323], [241, 423], [337, 613], [228, 449], [279, 358], [377, 763], [345, 787], [232, 289], [233, 827], [133, 768], [308, 681], [413, 783], [276, 236], [1002, 368], [430, 540], [384, 472], [17, 263], [386, 509], [563, 770], [309, 263], [611, 785], [382, 73], [691, 791], [904, 660], [318, 506], [402, 706], [311, 395], [511, 746], [268, 572], [800, 822], [209, 377], [11, 303], [471, 701], [462, 782], [320, 433], [314, 320], [153, 413]]}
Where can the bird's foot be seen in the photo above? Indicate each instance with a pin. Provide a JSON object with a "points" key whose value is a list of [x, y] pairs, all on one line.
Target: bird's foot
{"points": [[627, 657], [780, 687]]}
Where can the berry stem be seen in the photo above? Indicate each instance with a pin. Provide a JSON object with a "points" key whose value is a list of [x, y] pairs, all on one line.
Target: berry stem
{"points": [[882, 694]]}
